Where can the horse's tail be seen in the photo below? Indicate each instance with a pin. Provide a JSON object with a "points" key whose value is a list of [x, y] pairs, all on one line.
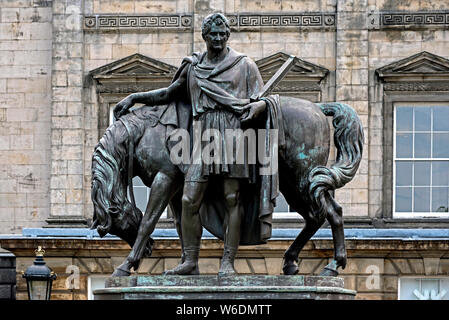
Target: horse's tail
{"points": [[113, 212], [348, 139]]}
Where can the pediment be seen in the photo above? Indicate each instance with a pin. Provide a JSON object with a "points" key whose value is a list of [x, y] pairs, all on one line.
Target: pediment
{"points": [[132, 66], [416, 68], [301, 70]]}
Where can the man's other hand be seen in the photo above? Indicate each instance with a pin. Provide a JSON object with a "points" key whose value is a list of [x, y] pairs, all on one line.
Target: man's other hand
{"points": [[255, 108], [122, 107]]}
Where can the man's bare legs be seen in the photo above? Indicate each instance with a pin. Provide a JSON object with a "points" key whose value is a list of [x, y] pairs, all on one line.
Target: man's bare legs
{"points": [[231, 226], [191, 227]]}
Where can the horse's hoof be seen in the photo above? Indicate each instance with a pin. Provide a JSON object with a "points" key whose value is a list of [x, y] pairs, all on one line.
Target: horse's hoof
{"points": [[290, 269], [327, 272], [121, 273]]}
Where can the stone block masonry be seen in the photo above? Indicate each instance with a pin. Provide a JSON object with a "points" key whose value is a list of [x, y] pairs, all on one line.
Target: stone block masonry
{"points": [[66, 184], [7, 276], [25, 85]]}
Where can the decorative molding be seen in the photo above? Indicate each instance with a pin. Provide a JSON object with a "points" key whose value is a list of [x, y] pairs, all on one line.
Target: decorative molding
{"points": [[132, 74], [247, 21], [105, 22], [421, 72], [422, 19], [140, 73], [127, 88], [302, 71], [184, 22], [417, 86], [133, 65]]}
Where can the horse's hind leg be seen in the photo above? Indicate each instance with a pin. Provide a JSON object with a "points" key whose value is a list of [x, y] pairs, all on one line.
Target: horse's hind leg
{"points": [[312, 225], [162, 190], [335, 218]]}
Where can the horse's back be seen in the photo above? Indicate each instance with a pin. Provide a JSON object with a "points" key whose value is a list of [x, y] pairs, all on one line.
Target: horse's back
{"points": [[307, 139]]}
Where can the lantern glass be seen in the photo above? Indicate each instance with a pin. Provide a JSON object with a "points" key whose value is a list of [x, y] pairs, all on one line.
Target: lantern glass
{"points": [[38, 289]]}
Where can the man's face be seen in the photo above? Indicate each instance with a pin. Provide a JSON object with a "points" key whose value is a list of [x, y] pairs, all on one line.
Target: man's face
{"points": [[216, 38]]}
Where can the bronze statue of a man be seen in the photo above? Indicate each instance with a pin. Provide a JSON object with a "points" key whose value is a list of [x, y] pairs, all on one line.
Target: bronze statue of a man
{"points": [[219, 84]]}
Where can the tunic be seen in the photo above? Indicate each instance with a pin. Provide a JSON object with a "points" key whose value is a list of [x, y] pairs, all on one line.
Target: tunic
{"points": [[219, 96]]}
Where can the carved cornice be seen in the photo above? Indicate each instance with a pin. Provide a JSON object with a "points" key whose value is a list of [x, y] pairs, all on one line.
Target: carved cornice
{"points": [[420, 19], [416, 86], [423, 67], [302, 71], [137, 73]]}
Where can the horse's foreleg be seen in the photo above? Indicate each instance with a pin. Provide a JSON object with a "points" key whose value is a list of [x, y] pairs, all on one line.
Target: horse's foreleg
{"points": [[162, 190], [335, 218], [290, 266]]}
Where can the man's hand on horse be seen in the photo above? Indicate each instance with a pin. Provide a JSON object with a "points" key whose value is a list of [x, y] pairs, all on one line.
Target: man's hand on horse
{"points": [[254, 109], [122, 107]]}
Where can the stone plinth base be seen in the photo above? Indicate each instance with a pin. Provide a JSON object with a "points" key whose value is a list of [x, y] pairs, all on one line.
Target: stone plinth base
{"points": [[224, 287]]}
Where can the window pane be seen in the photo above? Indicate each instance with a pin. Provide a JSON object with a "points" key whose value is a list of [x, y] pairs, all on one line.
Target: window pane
{"points": [[404, 145], [422, 173], [422, 118], [404, 173], [421, 199], [440, 118], [140, 195], [403, 199], [422, 145], [440, 199], [440, 173], [137, 182], [404, 119], [441, 145], [281, 204]]}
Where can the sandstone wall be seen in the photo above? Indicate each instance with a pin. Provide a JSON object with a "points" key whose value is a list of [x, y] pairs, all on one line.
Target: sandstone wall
{"points": [[49, 109], [25, 114]]}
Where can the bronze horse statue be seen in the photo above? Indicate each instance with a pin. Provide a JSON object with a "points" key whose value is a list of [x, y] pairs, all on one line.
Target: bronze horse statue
{"points": [[138, 141]]}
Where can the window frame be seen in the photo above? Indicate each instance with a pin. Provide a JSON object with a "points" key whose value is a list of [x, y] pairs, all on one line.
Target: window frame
{"points": [[391, 99], [407, 215]]}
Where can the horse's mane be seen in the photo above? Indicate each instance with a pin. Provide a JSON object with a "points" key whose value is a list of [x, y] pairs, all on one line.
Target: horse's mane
{"points": [[113, 212]]}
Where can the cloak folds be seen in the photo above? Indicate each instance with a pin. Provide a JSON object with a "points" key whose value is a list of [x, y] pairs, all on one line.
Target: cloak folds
{"points": [[229, 85]]}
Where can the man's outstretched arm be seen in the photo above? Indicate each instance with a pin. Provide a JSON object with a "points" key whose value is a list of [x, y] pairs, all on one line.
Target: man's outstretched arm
{"points": [[153, 97]]}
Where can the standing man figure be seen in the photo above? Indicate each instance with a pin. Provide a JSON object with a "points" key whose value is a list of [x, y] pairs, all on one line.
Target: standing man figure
{"points": [[219, 84]]}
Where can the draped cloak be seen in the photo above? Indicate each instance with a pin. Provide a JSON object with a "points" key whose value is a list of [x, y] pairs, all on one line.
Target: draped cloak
{"points": [[229, 86]]}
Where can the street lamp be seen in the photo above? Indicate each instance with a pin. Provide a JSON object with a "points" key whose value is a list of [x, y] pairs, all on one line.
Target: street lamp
{"points": [[39, 278]]}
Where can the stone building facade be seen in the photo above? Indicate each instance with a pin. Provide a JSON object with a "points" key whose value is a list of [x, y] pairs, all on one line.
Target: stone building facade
{"points": [[64, 64]]}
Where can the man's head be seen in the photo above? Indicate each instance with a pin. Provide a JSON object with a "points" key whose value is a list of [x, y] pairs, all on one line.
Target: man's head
{"points": [[215, 31]]}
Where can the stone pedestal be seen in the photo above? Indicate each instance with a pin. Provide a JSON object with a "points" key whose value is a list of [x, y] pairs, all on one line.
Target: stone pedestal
{"points": [[210, 287]]}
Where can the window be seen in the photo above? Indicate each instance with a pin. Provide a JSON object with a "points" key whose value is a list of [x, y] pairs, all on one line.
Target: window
{"points": [[421, 161], [282, 210], [95, 282], [423, 289]]}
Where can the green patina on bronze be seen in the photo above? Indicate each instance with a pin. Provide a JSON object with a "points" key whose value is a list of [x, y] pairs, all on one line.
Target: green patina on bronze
{"points": [[222, 287]]}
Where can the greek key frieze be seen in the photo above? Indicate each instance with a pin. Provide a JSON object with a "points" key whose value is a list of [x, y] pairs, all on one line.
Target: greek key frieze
{"points": [[252, 20], [405, 19], [108, 22], [185, 21]]}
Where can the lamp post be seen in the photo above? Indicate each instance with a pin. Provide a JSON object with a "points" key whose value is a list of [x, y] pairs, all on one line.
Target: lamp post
{"points": [[39, 278]]}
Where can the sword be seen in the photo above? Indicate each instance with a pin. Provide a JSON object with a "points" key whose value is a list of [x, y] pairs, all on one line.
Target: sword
{"points": [[275, 79]]}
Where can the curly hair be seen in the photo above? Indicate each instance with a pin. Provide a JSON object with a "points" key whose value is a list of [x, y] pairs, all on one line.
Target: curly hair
{"points": [[218, 19]]}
